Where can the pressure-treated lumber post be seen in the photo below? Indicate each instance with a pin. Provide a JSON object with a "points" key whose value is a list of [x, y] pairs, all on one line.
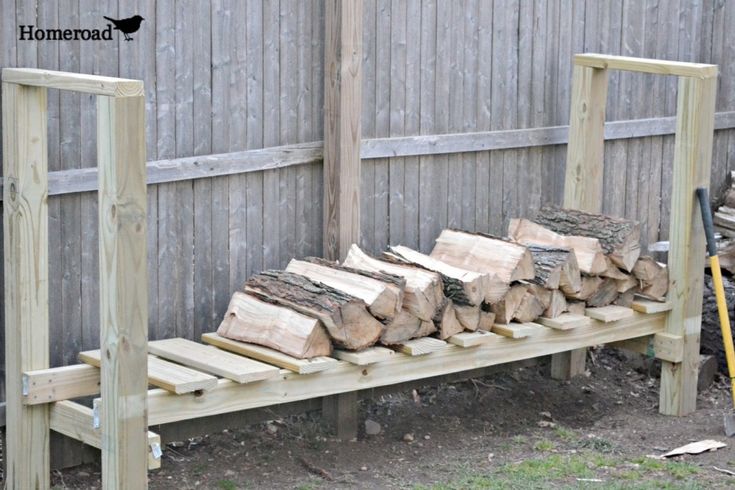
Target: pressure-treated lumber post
{"points": [[25, 224], [692, 161], [123, 290], [584, 172], [342, 107]]}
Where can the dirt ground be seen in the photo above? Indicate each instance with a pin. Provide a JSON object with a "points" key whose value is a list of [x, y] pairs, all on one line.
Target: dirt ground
{"points": [[519, 429]]}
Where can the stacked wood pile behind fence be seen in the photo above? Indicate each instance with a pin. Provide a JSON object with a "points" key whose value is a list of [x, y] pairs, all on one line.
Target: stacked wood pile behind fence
{"points": [[230, 76]]}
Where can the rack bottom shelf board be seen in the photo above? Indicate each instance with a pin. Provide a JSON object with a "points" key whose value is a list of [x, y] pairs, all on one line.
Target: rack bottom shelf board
{"points": [[228, 396]]}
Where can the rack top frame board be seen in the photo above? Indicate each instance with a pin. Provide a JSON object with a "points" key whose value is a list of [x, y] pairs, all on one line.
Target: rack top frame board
{"points": [[657, 67], [75, 82]]}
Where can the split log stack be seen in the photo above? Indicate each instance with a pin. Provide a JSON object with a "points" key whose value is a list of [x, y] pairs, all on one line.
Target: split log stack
{"points": [[562, 261]]}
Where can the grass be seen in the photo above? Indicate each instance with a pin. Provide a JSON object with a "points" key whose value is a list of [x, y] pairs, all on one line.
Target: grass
{"points": [[564, 471], [544, 445], [226, 485]]}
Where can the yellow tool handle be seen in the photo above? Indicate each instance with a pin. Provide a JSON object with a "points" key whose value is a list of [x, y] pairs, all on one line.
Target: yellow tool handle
{"points": [[714, 261]]}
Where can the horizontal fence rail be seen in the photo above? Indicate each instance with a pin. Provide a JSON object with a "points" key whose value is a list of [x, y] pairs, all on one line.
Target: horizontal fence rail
{"points": [[241, 162]]}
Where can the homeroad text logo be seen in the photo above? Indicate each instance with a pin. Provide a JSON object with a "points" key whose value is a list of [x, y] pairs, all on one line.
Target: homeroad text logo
{"points": [[126, 26]]}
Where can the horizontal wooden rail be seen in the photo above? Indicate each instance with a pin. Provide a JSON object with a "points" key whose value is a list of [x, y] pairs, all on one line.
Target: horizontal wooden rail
{"points": [[165, 407], [657, 67], [200, 167], [76, 82]]}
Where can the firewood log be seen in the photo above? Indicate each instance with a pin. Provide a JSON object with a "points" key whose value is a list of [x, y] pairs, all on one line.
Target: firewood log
{"points": [[423, 294], [590, 258], [462, 286], [468, 316], [605, 294], [626, 298], [554, 266], [530, 308], [404, 326], [629, 282], [654, 278], [446, 320], [426, 328], [576, 307], [589, 287], [487, 320], [249, 319], [506, 307], [619, 238], [382, 296], [345, 317], [484, 253], [553, 300], [557, 305], [612, 271]]}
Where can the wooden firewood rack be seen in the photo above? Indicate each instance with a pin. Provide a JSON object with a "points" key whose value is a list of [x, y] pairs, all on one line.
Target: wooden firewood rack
{"points": [[40, 399]]}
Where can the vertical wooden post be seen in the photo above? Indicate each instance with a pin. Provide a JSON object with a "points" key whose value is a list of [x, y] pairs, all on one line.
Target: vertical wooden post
{"points": [[584, 172], [25, 224], [123, 290], [692, 162], [342, 108]]}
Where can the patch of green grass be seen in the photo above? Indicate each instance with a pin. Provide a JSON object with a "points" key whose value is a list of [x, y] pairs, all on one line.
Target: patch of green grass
{"points": [[562, 471], [520, 439], [226, 485], [597, 444], [544, 445], [565, 434]]}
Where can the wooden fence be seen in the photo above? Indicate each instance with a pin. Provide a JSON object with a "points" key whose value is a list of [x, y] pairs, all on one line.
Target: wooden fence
{"points": [[465, 105]]}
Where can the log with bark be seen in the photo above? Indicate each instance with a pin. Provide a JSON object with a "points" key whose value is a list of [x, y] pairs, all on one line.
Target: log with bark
{"points": [[346, 318], [462, 286], [487, 318], [588, 251], [249, 319], [423, 294], [626, 298], [485, 254], [382, 293], [619, 238], [553, 300], [555, 266], [653, 277]]}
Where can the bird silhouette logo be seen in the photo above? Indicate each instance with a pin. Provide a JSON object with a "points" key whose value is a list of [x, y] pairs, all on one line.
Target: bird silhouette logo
{"points": [[127, 26]]}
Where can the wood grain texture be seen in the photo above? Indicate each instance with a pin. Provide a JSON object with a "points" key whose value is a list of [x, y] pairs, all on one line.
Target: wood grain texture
{"points": [[123, 289], [26, 266], [342, 99], [692, 162]]}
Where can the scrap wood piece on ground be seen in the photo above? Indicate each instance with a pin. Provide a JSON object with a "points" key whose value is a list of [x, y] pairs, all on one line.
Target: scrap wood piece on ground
{"points": [[698, 447]]}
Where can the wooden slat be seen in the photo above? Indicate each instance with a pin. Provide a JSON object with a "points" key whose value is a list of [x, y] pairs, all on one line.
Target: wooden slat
{"points": [[25, 229], [76, 421], [514, 330], [647, 306], [200, 167], [228, 396], [565, 321], [167, 375], [610, 313], [422, 346], [472, 339], [365, 357], [77, 82], [62, 383], [659, 67], [212, 360], [270, 356]]}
